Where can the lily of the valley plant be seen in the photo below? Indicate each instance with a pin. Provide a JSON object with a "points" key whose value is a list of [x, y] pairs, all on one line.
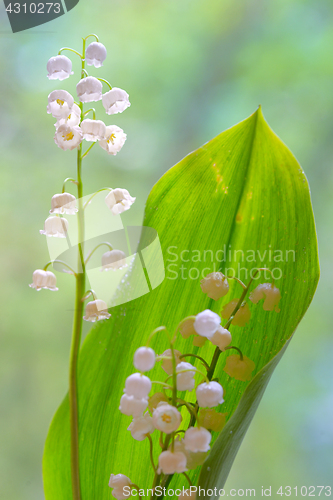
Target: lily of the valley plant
{"points": [[76, 128]]}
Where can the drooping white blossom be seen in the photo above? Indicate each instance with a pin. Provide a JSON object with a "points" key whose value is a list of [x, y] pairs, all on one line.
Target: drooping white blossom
{"points": [[137, 385], [72, 119], [59, 68], [96, 310], [113, 140], [129, 405], [95, 54], [141, 426], [67, 137], [167, 363], [89, 89], [55, 226], [206, 323], [185, 380], [60, 103], [114, 259], [209, 394], [63, 203], [166, 418], [118, 482], [197, 439], [93, 130], [118, 200], [43, 279], [221, 338], [144, 359], [169, 462], [115, 101]]}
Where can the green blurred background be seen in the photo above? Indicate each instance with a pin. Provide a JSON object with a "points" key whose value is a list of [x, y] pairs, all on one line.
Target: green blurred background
{"points": [[192, 69]]}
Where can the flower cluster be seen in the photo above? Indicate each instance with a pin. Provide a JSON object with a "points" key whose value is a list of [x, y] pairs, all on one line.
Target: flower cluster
{"points": [[186, 425], [72, 127]]}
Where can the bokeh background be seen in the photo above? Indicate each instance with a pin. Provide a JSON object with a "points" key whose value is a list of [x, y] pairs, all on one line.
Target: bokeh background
{"points": [[192, 69]]}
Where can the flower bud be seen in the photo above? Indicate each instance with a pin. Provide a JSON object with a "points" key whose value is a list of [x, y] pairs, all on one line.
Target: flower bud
{"points": [[114, 259], [137, 385], [55, 226], [89, 89], [206, 323], [64, 203], [239, 369], [167, 363], [197, 439], [166, 418], [59, 68], [185, 380], [242, 316], [43, 279], [221, 338], [215, 285], [270, 293], [141, 427], [118, 200], [95, 54], [209, 394], [144, 359], [129, 405], [115, 101], [211, 419], [96, 310], [169, 462]]}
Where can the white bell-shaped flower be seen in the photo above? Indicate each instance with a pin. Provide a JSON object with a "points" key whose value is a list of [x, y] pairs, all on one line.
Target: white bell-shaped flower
{"points": [[119, 482], [144, 359], [185, 380], [93, 130], [59, 68], [72, 119], [221, 338], [209, 394], [89, 89], [169, 462], [129, 405], [113, 140], [95, 54], [137, 385], [43, 279], [96, 310], [60, 103], [141, 426], [63, 203], [206, 323], [55, 226], [118, 200], [197, 439], [115, 101], [166, 418], [114, 259], [167, 365], [67, 137]]}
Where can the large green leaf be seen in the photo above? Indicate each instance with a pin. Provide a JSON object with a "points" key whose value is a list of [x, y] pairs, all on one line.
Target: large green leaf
{"points": [[241, 191]]}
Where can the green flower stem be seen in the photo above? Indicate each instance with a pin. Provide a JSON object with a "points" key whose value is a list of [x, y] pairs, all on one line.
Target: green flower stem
{"points": [[69, 179], [88, 294], [105, 81], [88, 111], [189, 355], [71, 50], [151, 448], [92, 34], [238, 281], [77, 328], [91, 197], [59, 262], [91, 253], [187, 478], [190, 408], [237, 349], [90, 147]]}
